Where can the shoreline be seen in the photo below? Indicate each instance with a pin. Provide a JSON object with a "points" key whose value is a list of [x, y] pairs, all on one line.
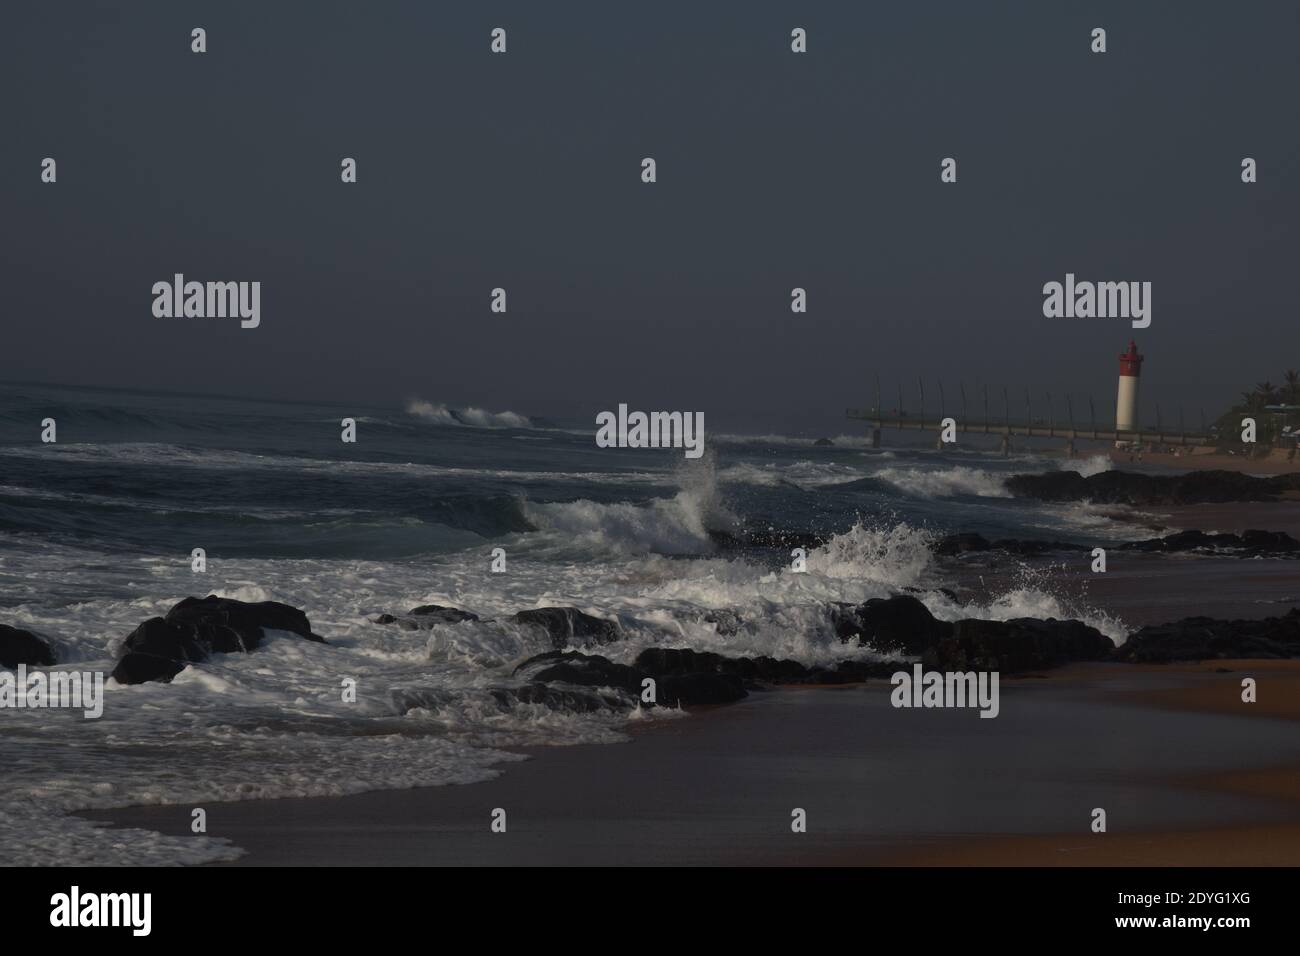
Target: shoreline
{"points": [[880, 786]]}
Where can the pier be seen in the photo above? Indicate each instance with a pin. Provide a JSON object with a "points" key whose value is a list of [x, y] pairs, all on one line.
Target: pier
{"points": [[1031, 426]]}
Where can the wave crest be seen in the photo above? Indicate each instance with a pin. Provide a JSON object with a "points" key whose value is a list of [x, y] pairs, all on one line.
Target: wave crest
{"points": [[441, 414], [946, 482]]}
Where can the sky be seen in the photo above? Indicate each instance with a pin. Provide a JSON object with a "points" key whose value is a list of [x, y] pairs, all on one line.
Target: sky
{"points": [[775, 170]]}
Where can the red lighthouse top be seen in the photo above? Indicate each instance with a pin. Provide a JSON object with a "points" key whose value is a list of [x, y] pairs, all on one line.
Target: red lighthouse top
{"points": [[1130, 363]]}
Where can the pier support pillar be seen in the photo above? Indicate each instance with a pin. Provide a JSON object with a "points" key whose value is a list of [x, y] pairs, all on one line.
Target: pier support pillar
{"points": [[1069, 448], [1005, 446], [875, 438]]}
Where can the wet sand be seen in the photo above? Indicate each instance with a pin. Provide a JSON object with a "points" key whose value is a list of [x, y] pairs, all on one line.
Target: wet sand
{"points": [[879, 785], [1234, 518]]}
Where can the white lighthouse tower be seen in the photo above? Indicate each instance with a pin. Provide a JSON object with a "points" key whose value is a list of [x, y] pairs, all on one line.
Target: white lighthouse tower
{"points": [[1126, 401]]}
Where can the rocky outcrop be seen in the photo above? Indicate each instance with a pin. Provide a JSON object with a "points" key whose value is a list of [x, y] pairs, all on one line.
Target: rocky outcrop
{"points": [[903, 625], [1205, 638], [900, 624], [567, 626], [424, 617], [1018, 645], [686, 677], [1132, 488], [681, 687], [23, 647], [1246, 544], [196, 628], [972, 542]]}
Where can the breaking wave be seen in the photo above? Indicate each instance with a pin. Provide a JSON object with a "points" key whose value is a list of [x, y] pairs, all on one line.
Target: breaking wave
{"points": [[469, 416]]}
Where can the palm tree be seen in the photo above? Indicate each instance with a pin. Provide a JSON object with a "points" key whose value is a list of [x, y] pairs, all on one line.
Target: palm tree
{"points": [[1292, 386]]}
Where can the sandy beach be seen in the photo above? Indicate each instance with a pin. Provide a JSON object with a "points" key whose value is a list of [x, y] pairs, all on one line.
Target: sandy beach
{"points": [[1161, 749], [1187, 773]]}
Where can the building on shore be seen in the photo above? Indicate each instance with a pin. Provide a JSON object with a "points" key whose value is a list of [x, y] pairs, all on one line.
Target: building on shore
{"points": [[1126, 401]]}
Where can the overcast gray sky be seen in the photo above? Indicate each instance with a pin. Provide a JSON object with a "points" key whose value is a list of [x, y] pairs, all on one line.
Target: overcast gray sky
{"points": [[775, 170]]}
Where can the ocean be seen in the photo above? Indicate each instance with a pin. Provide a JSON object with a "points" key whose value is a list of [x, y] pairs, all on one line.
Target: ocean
{"points": [[97, 531]]}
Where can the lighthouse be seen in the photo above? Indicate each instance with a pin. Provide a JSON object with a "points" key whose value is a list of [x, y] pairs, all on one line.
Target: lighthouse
{"points": [[1126, 401]]}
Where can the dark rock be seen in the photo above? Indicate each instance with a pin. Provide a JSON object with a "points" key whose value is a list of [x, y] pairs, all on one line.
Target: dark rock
{"points": [[896, 624], [853, 672], [160, 648], [23, 647], [667, 662], [823, 443], [230, 625], [689, 690], [1020, 644], [1026, 547], [757, 672], [1249, 543], [440, 614], [1205, 638], [425, 617], [1132, 488], [686, 679], [1265, 542], [961, 543], [567, 626], [584, 670]]}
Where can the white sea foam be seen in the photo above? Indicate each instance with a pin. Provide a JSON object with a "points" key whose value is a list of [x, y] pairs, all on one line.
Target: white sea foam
{"points": [[1031, 602], [925, 482], [676, 525], [804, 474], [273, 724], [1093, 465], [161, 453], [441, 414]]}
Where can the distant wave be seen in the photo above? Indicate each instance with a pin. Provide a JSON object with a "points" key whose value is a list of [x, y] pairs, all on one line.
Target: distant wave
{"points": [[441, 414], [799, 473], [946, 482], [852, 441], [161, 453]]}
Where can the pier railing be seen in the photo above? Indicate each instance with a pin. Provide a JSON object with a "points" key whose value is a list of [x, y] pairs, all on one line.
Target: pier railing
{"points": [[1034, 429]]}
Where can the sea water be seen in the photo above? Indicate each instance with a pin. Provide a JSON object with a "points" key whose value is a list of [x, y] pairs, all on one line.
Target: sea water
{"points": [[97, 529]]}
